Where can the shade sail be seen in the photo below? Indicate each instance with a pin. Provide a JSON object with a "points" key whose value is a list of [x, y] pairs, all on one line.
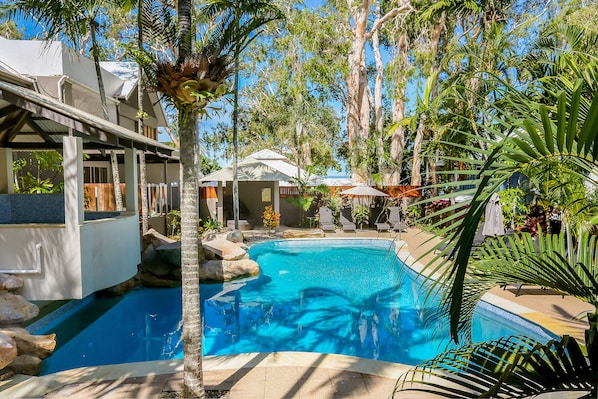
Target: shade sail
{"points": [[363, 191]]}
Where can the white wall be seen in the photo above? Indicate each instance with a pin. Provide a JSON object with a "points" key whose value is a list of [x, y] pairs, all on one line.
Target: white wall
{"points": [[60, 273], [99, 255], [110, 252]]}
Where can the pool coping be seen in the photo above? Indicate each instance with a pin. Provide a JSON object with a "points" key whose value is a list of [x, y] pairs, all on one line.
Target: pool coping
{"points": [[21, 386]]}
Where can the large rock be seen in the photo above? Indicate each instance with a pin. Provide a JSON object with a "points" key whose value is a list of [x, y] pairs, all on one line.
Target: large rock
{"points": [[9, 282], [225, 249], [155, 238], [8, 350], [41, 346], [150, 280], [26, 364], [15, 309], [172, 252], [303, 234], [224, 270], [153, 263]]}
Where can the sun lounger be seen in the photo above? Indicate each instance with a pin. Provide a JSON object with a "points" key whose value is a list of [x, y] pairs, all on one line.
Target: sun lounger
{"points": [[394, 219], [347, 224], [326, 219]]}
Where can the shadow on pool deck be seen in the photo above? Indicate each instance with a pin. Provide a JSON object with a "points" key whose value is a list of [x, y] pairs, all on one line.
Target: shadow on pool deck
{"points": [[286, 374]]}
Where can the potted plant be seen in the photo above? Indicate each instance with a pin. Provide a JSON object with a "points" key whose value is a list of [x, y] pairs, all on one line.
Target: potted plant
{"points": [[271, 219]]}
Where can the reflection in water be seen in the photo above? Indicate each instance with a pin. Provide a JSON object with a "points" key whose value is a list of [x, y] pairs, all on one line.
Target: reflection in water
{"points": [[327, 299]]}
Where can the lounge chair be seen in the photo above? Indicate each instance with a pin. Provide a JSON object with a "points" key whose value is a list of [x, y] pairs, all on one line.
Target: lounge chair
{"points": [[394, 219], [347, 224], [326, 220]]}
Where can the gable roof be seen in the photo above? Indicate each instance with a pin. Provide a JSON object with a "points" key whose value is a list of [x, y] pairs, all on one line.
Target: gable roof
{"points": [[264, 165]]}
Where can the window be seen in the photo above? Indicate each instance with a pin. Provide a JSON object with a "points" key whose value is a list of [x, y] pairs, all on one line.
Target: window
{"points": [[266, 195], [95, 174]]}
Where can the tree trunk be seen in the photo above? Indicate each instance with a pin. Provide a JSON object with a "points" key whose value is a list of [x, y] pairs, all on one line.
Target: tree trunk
{"points": [[378, 115], [118, 196], [397, 140], [140, 89], [192, 327], [416, 175], [144, 203], [356, 94]]}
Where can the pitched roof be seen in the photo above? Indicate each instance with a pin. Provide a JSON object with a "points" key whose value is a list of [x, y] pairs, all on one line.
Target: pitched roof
{"points": [[264, 165]]}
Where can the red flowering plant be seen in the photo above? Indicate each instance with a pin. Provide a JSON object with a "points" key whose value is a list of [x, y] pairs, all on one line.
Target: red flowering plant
{"points": [[270, 218]]}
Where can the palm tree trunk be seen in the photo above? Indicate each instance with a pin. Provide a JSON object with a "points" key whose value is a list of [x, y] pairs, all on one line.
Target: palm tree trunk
{"points": [[416, 176], [118, 196], [236, 143], [192, 328], [140, 89]]}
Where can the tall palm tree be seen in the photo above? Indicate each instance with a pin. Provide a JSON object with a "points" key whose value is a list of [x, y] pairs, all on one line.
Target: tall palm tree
{"points": [[191, 74], [529, 137]]}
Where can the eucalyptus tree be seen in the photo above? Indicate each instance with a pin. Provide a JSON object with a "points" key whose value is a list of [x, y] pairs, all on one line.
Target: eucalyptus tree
{"points": [[196, 59], [358, 106]]}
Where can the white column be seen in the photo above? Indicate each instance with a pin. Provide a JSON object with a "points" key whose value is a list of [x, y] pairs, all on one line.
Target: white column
{"points": [[131, 181], [6, 171], [220, 206], [276, 197], [72, 155]]}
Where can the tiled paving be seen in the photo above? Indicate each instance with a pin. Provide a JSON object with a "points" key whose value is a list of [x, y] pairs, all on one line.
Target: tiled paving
{"points": [[285, 375]]}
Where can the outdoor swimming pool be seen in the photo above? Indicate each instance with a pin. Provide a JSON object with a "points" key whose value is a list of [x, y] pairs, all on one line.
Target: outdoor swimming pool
{"points": [[349, 297]]}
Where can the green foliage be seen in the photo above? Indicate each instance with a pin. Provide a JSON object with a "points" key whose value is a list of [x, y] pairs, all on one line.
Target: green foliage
{"points": [[208, 224], [514, 206], [38, 172], [361, 215], [174, 223]]}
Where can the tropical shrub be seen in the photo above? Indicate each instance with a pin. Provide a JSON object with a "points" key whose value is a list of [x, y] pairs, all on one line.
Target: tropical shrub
{"points": [[270, 218]]}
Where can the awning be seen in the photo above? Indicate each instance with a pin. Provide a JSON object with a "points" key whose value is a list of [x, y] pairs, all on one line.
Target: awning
{"points": [[29, 120]]}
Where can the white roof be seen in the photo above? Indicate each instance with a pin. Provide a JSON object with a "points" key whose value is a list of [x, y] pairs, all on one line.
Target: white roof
{"points": [[126, 71], [264, 165]]}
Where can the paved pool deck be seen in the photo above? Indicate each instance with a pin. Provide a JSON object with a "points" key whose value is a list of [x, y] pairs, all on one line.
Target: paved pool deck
{"points": [[291, 374]]}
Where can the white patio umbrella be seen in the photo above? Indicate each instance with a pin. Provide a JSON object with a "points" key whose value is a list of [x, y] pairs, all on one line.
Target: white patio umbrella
{"points": [[494, 225], [363, 194]]}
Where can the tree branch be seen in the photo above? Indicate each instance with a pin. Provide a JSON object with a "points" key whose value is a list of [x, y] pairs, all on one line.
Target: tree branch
{"points": [[404, 9]]}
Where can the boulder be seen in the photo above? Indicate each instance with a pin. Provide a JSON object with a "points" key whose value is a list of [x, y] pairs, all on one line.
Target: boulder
{"points": [[41, 346], [9, 282], [155, 238], [8, 350], [15, 309], [224, 270], [26, 364], [150, 280], [172, 252], [225, 249], [303, 234], [151, 262], [235, 236]]}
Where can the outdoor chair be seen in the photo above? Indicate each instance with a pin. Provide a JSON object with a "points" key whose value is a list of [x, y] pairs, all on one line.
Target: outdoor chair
{"points": [[326, 219], [394, 219], [347, 224]]}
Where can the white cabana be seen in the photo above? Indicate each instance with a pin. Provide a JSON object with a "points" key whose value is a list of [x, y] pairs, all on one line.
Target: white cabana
{"points": [[260, 175]]}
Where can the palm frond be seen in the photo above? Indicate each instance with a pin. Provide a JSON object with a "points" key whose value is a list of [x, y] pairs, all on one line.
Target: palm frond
{"points": [[512, 367]]}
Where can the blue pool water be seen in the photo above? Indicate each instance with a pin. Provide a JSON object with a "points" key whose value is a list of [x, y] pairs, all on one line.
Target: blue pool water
{"points": [[328, 296]]}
